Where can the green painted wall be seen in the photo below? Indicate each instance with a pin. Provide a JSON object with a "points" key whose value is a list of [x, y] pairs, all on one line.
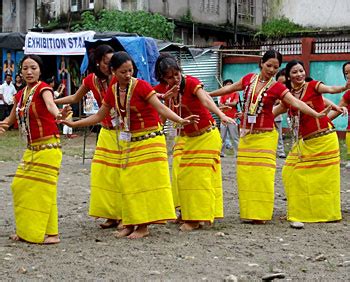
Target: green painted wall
{"points": [[328, 72], [236, 71]]}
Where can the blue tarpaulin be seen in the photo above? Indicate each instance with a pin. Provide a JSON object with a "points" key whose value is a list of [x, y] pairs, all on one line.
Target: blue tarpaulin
{"points": [[143, 50]]}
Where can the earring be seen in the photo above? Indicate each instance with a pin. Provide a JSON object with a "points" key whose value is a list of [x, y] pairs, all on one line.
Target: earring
{"points": [[97, 65]]}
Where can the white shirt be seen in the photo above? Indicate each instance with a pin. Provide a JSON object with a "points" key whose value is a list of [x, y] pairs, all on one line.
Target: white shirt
{"points": [[2, 98], [8, 90]]}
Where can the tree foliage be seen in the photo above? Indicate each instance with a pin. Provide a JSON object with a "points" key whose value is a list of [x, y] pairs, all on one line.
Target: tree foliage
{"points": [[140, 22], [277, 28]]}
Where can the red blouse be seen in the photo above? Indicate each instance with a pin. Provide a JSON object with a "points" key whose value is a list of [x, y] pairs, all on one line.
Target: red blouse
{"points": [[346, 98], [143, 116], [230, 98], [264, 119], [308, 124], [191, 105], [42, 124], [93, 83]]}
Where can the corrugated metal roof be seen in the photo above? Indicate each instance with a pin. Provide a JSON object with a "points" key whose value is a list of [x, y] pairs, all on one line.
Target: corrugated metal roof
{"points": [[204, 66]]}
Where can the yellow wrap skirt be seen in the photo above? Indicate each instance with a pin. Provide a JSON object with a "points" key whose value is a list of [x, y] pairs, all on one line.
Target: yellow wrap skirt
{"points": [[106, 198], [34, 190], [177, 154], [256, 167], [145, 181], [198, 177], [311, 177], [347, 140]]}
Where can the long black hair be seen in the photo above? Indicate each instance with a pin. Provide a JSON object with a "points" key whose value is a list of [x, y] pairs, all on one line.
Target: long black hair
{"points": [[289, 66], [35, 58], [164, 63], [343, 68], [271, 54], [95, 58], [120, 58]]}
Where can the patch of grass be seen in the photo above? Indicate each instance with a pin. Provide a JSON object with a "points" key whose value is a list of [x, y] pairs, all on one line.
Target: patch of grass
{"points": [[12, 147]]}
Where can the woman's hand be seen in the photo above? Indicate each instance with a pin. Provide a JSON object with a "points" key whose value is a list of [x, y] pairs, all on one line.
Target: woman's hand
{"points": [[340, 109], [189, 120], [172, 92], [69, 123], [66, 112], [239, 115], [3, 126], [227, 120], [324, 112]]}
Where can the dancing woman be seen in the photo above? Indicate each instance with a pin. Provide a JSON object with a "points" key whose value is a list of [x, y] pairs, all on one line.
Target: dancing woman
{"points": [[311, 175], [256, 160], [196, 181], [105, 197], [34, 187]]}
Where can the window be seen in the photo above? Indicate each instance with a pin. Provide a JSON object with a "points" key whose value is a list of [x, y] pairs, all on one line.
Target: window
{"points": [[76, 5], [91, 4], [210, 7], [246, 11]]}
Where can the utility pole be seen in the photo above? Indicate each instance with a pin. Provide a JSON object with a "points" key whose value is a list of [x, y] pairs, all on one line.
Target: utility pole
{"points": [[235, 21]]}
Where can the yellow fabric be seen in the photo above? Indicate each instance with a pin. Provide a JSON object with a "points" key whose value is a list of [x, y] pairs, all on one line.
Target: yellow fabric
{"points": [[311, 177], [177, 154], [145, 181], [106, 197], [347, 140], [34, 190], [256, 166], [199, 181]]}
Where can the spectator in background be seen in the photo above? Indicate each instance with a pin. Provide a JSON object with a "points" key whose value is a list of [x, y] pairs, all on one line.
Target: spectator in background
{"points": [[19, 83], [2, 105], [8, 90], [58, 92], [280, 77], [228, 104]]}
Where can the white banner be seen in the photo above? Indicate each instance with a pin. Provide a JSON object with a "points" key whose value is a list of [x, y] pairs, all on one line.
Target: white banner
{"points": [[57, 43]]}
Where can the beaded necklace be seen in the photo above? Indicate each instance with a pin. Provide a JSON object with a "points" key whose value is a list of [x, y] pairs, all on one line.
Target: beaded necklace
{"points": [[252, 108], [22, 111], [22, 115], [123, 125], [101, 89], [294, 120]]}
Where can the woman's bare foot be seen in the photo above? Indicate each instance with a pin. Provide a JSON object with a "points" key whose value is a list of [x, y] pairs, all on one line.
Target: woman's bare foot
{"points": [[124, 232], [258, 222], [189, 226], [178, 220], [120, 225], [51, 239], [15, 237], [109, 223], [140, 232]]}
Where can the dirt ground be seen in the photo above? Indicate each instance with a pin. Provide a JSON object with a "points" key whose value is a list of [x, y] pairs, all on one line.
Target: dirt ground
{"points": [[228, 251]]}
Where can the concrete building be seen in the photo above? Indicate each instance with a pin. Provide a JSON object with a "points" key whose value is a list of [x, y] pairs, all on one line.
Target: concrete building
{"points": [[199, 22], [313, 13]]}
